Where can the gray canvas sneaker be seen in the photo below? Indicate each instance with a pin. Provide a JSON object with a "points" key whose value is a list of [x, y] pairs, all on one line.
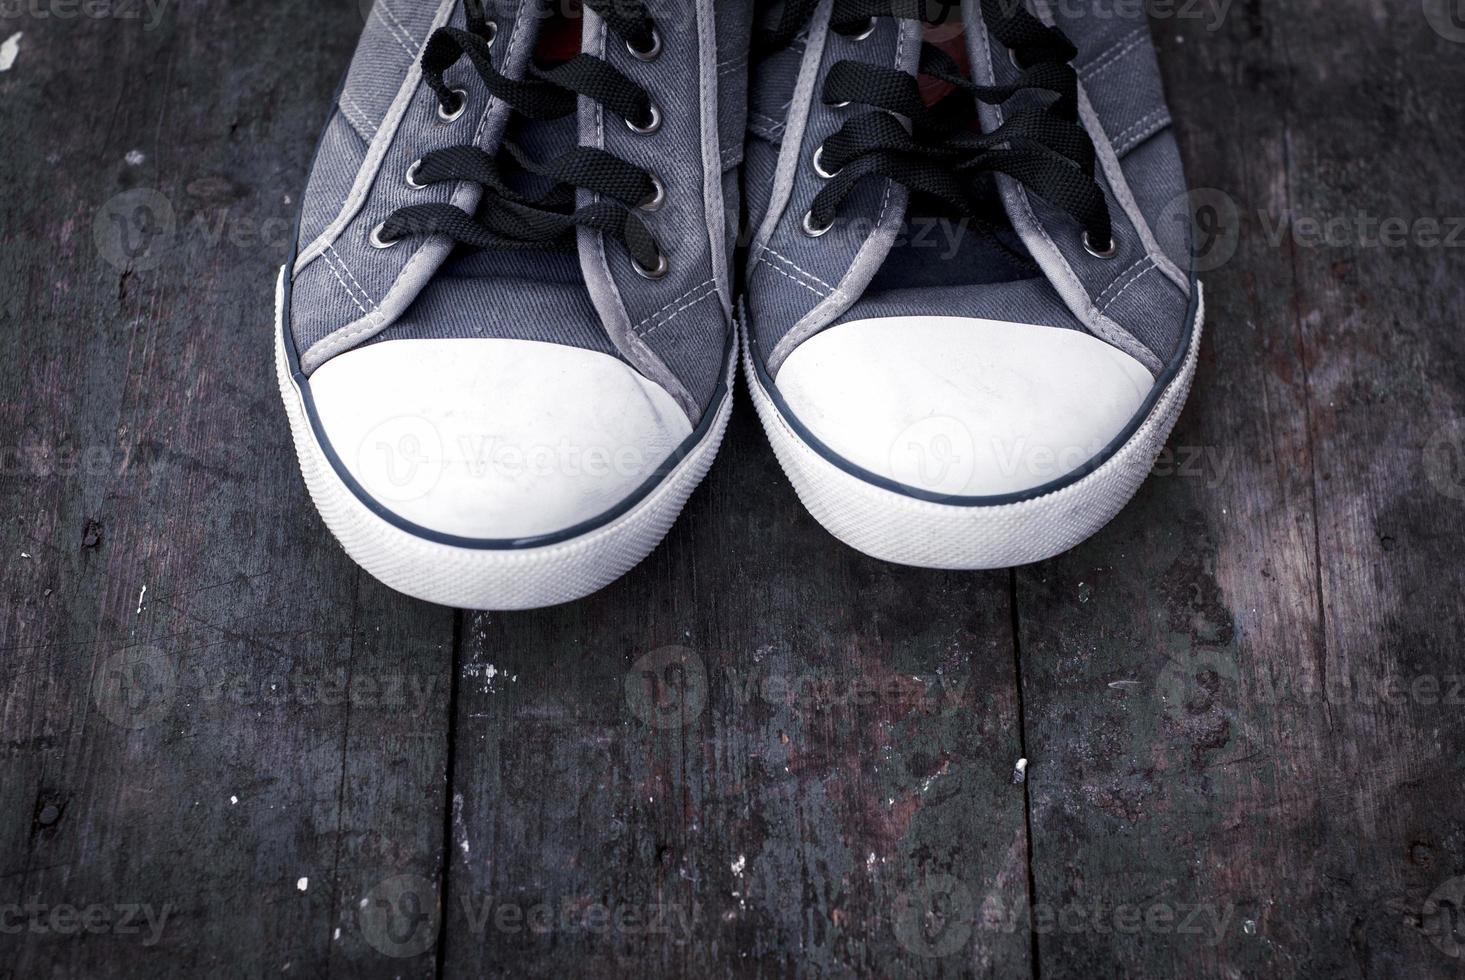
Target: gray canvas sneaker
{"points": [[504, 342], [970, 317]]}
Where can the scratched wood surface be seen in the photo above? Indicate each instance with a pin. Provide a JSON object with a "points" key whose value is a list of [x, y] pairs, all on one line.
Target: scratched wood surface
{"points": [[227, 750]]}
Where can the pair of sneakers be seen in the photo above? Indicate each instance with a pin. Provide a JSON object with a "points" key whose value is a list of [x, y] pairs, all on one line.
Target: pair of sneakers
{"points": [[507, 337]]}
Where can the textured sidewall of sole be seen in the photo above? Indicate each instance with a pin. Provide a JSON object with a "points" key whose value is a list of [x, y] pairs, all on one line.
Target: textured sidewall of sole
{"points": [[473, 578], [898, 528]]}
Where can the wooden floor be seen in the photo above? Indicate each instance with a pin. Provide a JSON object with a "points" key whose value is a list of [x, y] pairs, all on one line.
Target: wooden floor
{"points": [[224, 749]]}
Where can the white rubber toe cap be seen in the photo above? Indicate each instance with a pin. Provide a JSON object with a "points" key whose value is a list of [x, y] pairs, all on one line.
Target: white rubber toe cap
{"points": [[494, 439], [961, 406]]}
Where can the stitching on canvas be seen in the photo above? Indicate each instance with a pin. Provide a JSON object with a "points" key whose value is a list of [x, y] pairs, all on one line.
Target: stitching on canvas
{"points": [[770, 250], [773, 122], [792, 278], [728, 67], [768, 134], [1121, 48], [1132, 280], [341, 261], [1142, 260], [1139, 124], [709, 294], [1151, 130], [704, 297], [370, 168], [371, 324], [331, 266], [362, 118], [392, 32], [343, 339], [403, 27], [700, 285]]}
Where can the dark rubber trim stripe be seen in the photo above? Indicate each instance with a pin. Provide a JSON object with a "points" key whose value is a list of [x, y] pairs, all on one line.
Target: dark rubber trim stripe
{"points": [[704, 427], [656, 479], [1067, 480]]}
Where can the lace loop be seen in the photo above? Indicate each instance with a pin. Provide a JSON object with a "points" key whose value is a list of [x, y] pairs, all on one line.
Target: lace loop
{"points": [[1042, 144], [508, 218]]}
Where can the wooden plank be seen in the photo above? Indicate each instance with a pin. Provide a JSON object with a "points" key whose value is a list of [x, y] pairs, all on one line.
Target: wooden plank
{"points": [[759, 754], [1219, 786], [225, 750]]}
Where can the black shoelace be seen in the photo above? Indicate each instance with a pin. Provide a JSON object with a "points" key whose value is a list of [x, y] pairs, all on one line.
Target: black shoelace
{"points": [[508, 218], [1044, 147]]}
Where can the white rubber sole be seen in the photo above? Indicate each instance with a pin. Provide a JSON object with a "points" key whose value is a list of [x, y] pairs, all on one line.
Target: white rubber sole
{"points": [[898, 528], [473, 578]]}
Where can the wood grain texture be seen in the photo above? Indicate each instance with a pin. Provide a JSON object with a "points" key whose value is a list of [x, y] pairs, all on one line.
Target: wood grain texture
{"points": [[213, 770], [787, 750], [1221, 687], [759, 754]]}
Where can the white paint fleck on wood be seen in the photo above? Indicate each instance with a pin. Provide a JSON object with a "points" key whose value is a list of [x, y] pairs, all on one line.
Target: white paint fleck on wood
{"points": [[10, 50]]}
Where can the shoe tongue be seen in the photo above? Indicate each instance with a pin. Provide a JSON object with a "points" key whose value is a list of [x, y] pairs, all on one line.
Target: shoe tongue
{"points": [[938, 250], [939, 254], [951, 40], [556, 274], [559, 39]]}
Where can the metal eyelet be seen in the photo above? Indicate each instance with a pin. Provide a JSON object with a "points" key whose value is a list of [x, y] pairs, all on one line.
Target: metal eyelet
{"points": [[455, 114], [493, 34], [864, 35], [663, 266], [1097, 253], [839, 105], [657, 198], [411, 176], [377, 241], [651, 53], [819, 165], [813, 230], [651, 127], [1012, 57]]}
